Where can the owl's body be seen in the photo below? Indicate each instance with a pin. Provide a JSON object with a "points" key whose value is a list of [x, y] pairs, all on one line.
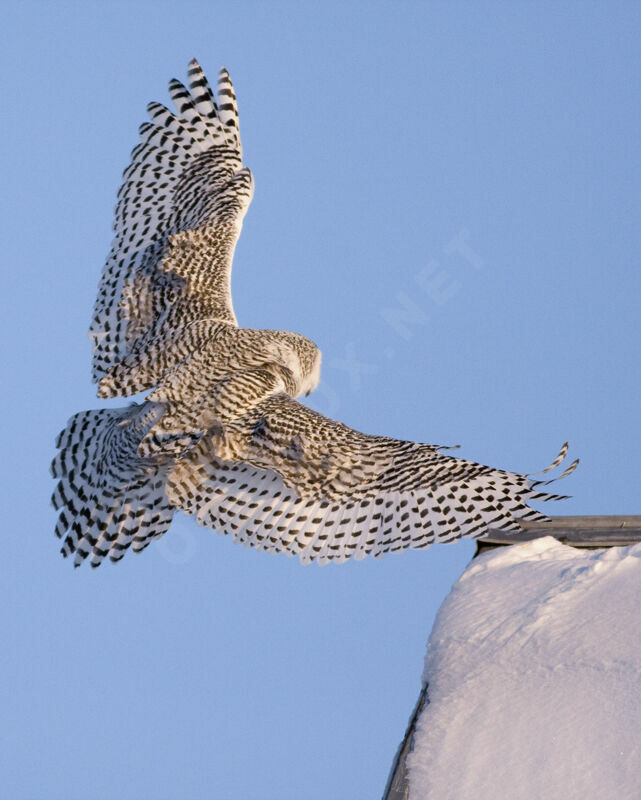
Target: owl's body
{"points": [[220, 435], [211, 373]]}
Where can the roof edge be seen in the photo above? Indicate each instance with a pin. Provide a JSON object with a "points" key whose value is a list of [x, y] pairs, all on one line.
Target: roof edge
{"points": [[615, 530]]}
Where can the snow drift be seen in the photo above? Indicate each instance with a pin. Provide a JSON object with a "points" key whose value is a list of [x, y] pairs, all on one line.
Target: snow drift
{"points": [[534, 671]]}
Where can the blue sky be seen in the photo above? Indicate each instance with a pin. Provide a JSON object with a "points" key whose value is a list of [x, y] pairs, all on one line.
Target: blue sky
{"points": [[447, 202]]}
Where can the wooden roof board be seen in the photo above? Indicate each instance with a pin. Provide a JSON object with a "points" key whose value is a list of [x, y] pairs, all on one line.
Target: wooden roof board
{"points": [[578, 531]]}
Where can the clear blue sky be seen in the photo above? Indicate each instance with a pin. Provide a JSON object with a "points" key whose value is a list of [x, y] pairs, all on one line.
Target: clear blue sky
{"points": [[380, 136]]}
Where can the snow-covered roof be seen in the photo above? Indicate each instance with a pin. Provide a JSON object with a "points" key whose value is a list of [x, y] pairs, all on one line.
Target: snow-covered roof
{"points": [[534, 673]]}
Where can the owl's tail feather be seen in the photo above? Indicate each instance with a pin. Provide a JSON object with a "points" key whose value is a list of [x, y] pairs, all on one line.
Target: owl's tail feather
{"points": [[108, 497]]}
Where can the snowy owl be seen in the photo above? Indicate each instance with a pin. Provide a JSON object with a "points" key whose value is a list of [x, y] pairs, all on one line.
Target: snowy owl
{"points": [[221, 434]]}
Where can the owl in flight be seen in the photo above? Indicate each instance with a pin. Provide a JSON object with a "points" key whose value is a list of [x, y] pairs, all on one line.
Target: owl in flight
{"points": [[221, 434]]}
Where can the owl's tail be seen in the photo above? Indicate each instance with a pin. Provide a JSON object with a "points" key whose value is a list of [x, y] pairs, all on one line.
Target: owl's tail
{"points": [[108, 497]]}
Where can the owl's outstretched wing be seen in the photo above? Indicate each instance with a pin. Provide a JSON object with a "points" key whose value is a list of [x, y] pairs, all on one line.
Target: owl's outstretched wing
{"points": [[287, 479], [178, 218]]}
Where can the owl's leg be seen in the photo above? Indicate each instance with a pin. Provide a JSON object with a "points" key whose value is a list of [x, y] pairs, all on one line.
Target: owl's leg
{"points": [[228, 400]]}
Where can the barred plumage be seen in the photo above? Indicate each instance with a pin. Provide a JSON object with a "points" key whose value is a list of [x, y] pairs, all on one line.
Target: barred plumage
{"points": [[184, 191], [221, 435]]}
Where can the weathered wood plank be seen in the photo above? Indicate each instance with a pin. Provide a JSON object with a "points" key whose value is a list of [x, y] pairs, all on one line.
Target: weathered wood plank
{"points": [[578, 531]]}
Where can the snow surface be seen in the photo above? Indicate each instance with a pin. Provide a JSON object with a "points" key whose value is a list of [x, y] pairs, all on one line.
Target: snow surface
{"points": [[534, 671]]}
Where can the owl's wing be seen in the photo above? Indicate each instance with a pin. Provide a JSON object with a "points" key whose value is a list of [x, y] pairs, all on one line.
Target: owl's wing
{"points": [[287, 479], [109, 499], [178, 218]]}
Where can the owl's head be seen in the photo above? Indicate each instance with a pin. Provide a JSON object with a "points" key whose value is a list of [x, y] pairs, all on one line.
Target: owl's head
{"points": [[309, 357], [312, 380]]}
